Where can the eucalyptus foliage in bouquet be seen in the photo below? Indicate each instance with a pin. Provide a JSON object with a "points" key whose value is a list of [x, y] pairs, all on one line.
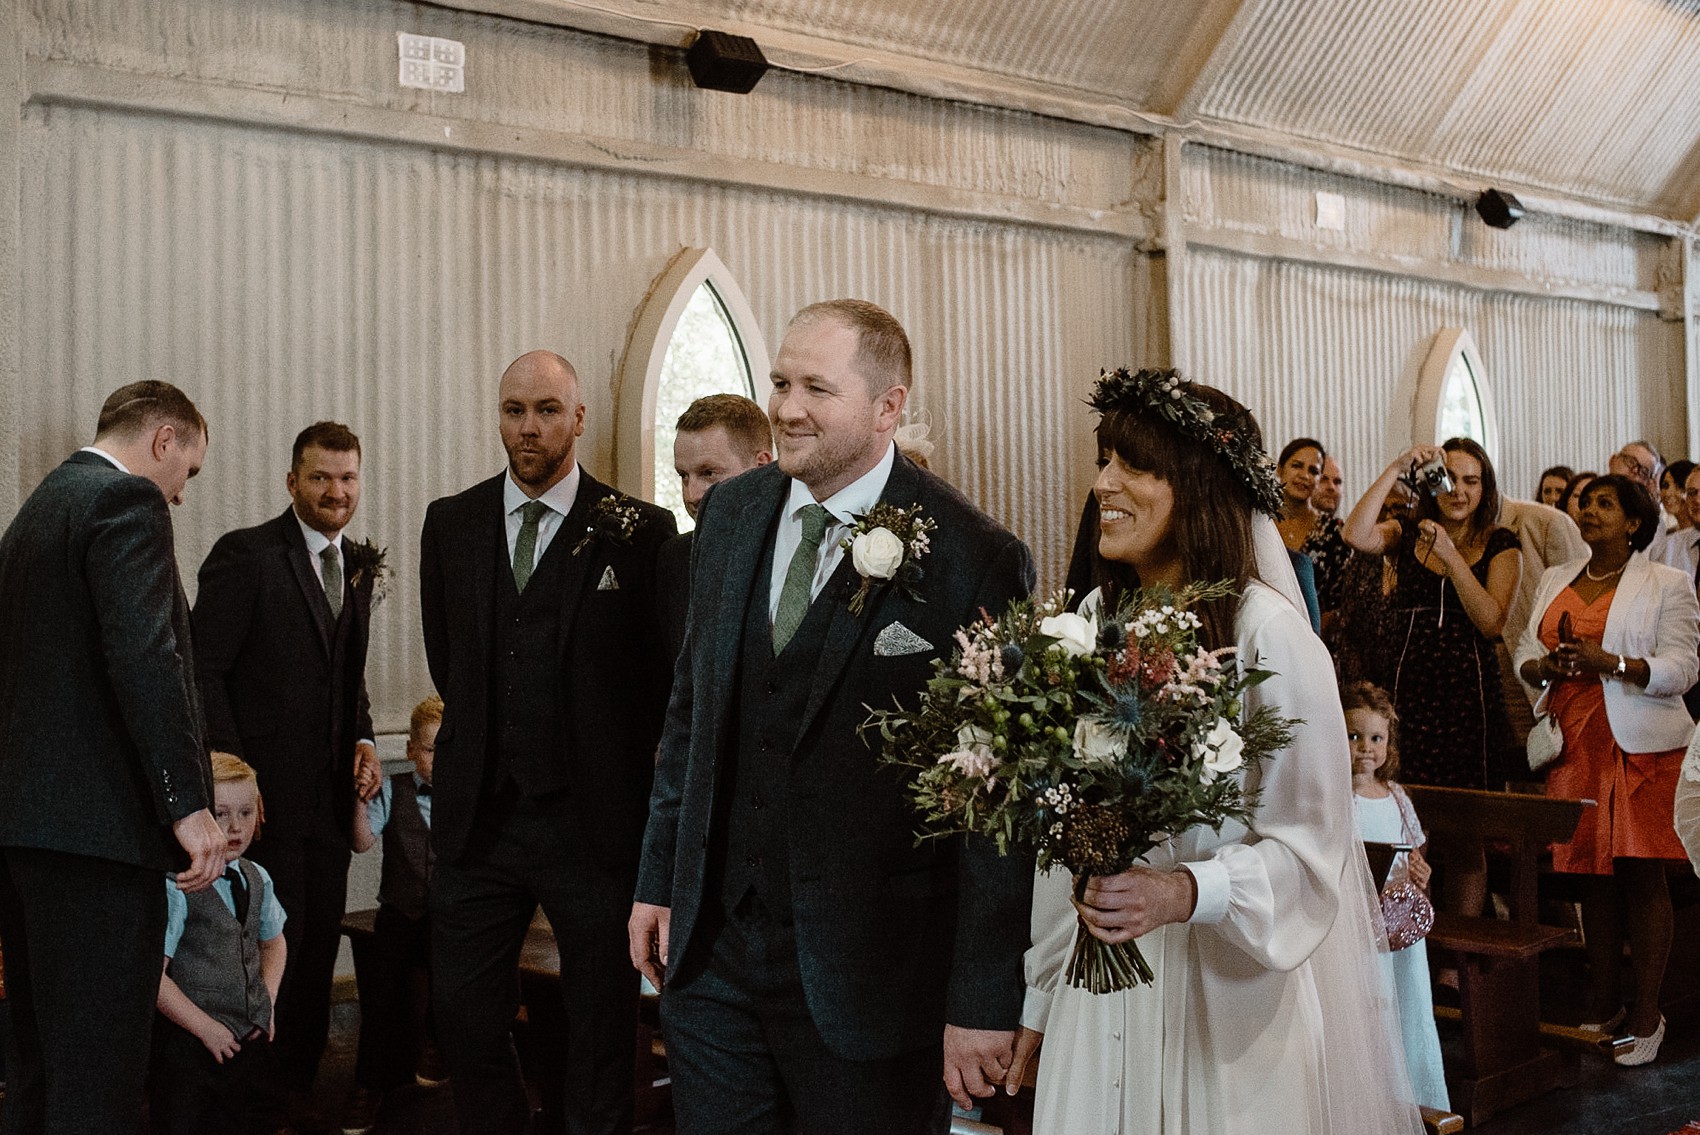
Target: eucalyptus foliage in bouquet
{"points": [[1086, 741]]}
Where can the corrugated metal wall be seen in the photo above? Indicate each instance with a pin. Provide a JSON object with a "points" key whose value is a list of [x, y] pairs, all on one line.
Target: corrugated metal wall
{"points": [[281, 277]]}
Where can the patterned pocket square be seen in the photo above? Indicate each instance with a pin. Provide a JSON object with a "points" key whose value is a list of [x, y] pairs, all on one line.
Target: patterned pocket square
{"points": [[897, 639], [608, 582]]}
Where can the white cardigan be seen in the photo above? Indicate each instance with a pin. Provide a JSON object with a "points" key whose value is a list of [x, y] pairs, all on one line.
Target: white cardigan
{"points": [[1654, 616]]}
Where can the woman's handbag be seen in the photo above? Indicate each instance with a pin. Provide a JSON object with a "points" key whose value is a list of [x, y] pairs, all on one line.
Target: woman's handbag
{"points": [[1404, 906], [1546, 740]]}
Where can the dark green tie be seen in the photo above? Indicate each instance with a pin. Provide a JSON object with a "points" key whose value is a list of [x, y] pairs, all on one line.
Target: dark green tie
{"points": [[525, 547], [799, 577], [333, 579]]}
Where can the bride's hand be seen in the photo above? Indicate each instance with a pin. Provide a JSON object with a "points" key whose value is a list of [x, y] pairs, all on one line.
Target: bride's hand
{"points": [[1027, 1044], [1119, 908]]}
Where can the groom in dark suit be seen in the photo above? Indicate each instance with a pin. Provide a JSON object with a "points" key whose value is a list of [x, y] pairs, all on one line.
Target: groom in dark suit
{"points": [[815, 957], [543, 633], [104, 779], [281, 622]]}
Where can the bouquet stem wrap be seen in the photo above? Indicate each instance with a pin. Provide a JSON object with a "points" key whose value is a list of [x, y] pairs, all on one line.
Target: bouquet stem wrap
{"points": [[1103, 967]]}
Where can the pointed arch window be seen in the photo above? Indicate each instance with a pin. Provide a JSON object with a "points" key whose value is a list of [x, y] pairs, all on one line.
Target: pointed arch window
{"points": [[1453, 399], [695, 335]]}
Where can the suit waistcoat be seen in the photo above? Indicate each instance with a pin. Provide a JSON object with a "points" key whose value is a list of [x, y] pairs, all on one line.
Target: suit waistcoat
{"points": [[217, 964], [406, 880], [526, 677], [771, 695]]}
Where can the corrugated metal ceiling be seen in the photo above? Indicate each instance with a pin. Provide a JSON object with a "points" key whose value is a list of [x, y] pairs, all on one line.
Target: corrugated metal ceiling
{"points": [[1596, 101]]}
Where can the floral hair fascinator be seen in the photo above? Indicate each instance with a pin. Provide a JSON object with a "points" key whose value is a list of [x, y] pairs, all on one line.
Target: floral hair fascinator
{"points": [[1232, 437]]}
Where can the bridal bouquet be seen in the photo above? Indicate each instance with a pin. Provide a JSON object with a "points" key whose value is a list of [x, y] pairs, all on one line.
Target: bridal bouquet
{"points": [[1085, 742]]}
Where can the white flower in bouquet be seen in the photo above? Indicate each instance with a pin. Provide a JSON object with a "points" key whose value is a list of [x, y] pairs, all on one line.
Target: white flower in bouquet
{"points": [[1076, 634], [1222, 750], [1097, 742], [976, 762], [877, 554]]}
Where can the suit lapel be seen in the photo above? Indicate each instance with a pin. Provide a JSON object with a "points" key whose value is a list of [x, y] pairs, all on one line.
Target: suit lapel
{"points": [[312, 588], [753, 524], [481, 553], [575, 570], [847, 630]]}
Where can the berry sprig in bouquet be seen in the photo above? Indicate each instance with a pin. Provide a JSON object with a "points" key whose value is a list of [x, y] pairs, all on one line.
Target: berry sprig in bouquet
{"points": [[1086, 741]]}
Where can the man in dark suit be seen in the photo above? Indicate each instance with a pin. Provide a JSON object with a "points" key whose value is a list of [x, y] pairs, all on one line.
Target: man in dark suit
{"points": [[543, 634], [718, 436], [104, 779], [814, 955], [281, 622]]}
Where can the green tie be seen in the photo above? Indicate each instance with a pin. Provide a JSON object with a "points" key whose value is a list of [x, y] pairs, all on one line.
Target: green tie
{"points": [[525, 547], [333, 579], [799, 577]]}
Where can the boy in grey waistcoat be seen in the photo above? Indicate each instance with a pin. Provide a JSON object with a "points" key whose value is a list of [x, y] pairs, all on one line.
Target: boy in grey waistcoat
{"points": [[224, 960], [393, 969]]}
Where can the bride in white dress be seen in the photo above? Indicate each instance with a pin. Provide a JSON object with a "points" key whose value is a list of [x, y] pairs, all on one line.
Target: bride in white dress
{"points": [[1269, 1011]]}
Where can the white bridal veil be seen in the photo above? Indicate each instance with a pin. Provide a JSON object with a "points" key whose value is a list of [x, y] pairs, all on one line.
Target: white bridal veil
{"points": [[1369, 1089]]}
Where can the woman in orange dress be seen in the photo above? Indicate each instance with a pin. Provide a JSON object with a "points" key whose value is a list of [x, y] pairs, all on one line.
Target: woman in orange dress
{"points": [[1615, 642]]}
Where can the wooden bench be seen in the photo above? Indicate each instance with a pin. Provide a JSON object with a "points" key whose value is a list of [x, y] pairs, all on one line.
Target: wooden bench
{"points": [[1503, 1061]]}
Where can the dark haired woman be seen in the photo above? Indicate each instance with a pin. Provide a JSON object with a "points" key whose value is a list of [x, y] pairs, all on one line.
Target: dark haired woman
{"points": [[1305, 529], [1552, 484], [1570, 500], [1455, 573], [1614, 644], [1269, 1000]]}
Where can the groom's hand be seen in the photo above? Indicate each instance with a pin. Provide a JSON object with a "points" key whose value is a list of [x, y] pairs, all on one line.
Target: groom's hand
{"points": [[975, 1062], [646, 937]]}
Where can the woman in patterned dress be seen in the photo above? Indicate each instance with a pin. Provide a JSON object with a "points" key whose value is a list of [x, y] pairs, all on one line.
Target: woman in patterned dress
{"points": [[1306, 530], [1455, 574]]}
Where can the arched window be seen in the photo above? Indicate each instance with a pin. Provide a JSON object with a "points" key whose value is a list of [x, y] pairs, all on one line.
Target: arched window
{"points": [[695, 335], [1453, 399]]}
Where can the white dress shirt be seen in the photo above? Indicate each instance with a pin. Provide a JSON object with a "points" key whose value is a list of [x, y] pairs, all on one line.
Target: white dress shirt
{"points": [[99, 452], [559, 497], [852, 500]]}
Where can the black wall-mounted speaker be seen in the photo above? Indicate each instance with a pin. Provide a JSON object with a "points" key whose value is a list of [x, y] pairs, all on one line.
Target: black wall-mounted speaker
{"points": [[722, 62], [1499, 209]]}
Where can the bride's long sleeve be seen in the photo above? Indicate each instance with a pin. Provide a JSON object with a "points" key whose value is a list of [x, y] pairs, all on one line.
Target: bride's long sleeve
{"points": [[1054, 921]]}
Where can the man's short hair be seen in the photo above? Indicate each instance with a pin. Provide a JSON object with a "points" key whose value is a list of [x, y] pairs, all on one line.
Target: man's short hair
{"points": [[882, 347], [743, 420], [332, 436], [149, 404], [427, 712]]}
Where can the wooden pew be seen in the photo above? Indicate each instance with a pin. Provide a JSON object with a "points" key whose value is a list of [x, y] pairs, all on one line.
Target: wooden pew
{"points": [[1503, 1061]]}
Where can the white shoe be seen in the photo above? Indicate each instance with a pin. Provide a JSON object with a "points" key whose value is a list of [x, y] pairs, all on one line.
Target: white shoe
{"points": [[1644, 1049]]}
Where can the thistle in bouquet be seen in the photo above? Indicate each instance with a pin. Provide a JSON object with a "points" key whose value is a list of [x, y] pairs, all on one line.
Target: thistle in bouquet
{"points": [[1086, 740]]}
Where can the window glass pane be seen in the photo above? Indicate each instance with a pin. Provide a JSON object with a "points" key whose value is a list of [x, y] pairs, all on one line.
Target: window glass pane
{"points": [[1461, 413], [703, 357]]}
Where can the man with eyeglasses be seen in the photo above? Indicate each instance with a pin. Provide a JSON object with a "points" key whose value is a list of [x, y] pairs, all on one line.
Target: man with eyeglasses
{"points": [[1641, 463]]}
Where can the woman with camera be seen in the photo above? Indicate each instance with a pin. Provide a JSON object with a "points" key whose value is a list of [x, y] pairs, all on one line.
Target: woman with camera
{"points": [[1455, 573], [1614, 644]]}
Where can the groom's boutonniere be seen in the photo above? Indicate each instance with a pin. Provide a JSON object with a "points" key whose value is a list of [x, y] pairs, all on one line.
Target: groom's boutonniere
{"points": [[614, 519], [887, 543], [366, 562]]}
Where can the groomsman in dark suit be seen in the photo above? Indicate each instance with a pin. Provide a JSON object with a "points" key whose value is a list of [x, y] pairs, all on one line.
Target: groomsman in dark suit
{"points": [[718, 436], [815, 956], [104, 779], [543, 633], [281, 622]]}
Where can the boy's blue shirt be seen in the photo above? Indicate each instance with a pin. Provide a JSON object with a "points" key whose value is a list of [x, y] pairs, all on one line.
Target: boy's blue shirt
{"points": [[378, 808], [177, 907]]}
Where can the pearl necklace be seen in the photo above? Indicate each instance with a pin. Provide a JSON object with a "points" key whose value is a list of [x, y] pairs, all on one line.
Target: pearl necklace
{"points": [[1602, 578]]}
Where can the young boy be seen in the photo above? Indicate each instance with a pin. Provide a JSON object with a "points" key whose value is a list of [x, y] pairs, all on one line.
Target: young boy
{"points": [[224, 958], [393, 969]]}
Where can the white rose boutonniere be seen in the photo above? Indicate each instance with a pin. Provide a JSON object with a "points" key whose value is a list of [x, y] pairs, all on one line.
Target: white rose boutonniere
{"points": [[1076, 634], [886, 545], [877, 554], [1222, 750]]}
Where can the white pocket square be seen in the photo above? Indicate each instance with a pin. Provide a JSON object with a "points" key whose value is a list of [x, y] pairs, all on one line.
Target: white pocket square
{"points": [[897, 639], [608, 582]]}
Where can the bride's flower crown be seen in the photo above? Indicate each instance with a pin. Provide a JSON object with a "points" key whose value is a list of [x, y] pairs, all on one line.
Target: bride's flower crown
{"points": [[1232, 437]]}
